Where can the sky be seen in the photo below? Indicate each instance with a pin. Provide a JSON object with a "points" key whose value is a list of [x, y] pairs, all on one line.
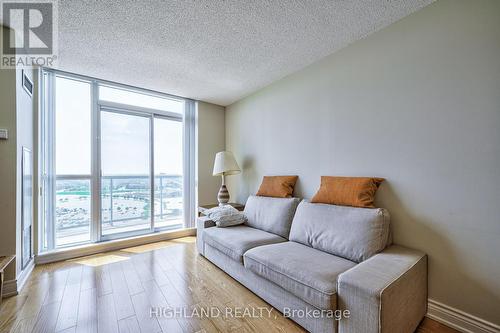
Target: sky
{"points": [[124, 138]]}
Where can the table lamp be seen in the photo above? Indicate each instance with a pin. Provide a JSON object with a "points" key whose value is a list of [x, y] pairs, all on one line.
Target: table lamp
{"points": [[225, 165]]}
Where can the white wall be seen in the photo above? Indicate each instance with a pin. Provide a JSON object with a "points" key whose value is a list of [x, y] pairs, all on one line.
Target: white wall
{"points": [[25, 110], [211, 139], [16, 115], [417, 103], [8, 167]]}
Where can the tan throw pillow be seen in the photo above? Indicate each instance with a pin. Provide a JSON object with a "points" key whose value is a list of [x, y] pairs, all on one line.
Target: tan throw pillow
{"points": [[347, 191], [277, 186]]}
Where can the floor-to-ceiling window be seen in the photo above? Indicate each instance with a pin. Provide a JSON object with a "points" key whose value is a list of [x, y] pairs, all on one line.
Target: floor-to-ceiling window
{"points": [[116, 161]]}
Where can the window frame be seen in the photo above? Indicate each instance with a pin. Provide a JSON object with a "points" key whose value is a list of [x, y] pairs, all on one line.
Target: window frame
{"points": [[48, 178]]}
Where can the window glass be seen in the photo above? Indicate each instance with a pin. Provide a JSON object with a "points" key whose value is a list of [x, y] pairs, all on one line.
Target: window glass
{"points": [[129, 97], [72, 212], [72, 127], [139, 147], [168, 173], [126, 185]]}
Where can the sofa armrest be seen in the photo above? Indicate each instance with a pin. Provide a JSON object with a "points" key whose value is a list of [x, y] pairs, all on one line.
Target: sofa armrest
{"points": [[386, 293], [202, 222]]}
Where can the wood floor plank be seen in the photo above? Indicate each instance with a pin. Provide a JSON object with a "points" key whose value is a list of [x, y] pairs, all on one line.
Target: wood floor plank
{"points": [[47, 319], [75, 275], [25, 317], [57, 284], [222, 322], [155, 269], [176, 301], [156, 300], [23, 325], [114, 292], [172, 296], [89, 278], [87, 312], [103, 281], [132, 278], [142, 308], [431, 326], [68, 330], [186, 284], [9, 310], [121, 296], [274, 322], [182, 288], [141, 268], [106, 315], [68, 314], [129, 325], [149, 269]]}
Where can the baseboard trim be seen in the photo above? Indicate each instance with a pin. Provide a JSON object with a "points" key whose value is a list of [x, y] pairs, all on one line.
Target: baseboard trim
{"points": [[9, 288], [113, 245], [459, 320], [13, 287], [25, 274]]}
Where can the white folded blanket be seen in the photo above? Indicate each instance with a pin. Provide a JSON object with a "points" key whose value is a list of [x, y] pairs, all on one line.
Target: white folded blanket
{"points": [[225, 216]]}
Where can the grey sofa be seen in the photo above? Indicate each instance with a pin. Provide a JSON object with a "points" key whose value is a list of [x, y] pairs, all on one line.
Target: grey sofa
{"points": [[300, 256]]}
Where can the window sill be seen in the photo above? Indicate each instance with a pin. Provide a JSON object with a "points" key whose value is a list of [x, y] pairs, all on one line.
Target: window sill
{"points": [[111, 245]]}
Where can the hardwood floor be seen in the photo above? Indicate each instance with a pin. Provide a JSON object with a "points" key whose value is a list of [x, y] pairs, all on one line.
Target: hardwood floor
{"points": [[114, 292]]}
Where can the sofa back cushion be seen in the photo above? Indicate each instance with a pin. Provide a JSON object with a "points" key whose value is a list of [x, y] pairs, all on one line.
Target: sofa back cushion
{"points": [[271, 214], [349, 232]]}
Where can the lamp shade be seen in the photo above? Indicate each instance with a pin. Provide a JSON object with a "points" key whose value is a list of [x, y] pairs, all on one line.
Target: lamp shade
{"points": [[225, 164]]}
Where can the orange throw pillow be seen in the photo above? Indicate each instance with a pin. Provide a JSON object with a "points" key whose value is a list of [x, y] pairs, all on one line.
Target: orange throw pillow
{"points": [[347, 191], [277, 186]]}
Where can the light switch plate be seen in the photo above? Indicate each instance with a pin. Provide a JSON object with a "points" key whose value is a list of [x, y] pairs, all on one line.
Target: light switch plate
{"points": [[4, 134]]}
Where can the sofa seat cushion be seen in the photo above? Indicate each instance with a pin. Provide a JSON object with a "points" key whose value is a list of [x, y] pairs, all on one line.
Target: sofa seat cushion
{"points": [[309, 274], [235, 241]]}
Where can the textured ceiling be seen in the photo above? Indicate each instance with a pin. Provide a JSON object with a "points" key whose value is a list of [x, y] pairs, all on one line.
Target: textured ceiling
{"points": [[215, 51]]}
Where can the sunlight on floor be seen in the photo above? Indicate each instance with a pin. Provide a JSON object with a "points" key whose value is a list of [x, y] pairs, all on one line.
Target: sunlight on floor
{"points": [[100, 260], [147, 247], [186, 240], [159, 245], [124, 254]]}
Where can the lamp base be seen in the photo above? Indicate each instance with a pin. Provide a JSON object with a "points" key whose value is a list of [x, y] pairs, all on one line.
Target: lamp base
{"points": [[223, 195]]}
